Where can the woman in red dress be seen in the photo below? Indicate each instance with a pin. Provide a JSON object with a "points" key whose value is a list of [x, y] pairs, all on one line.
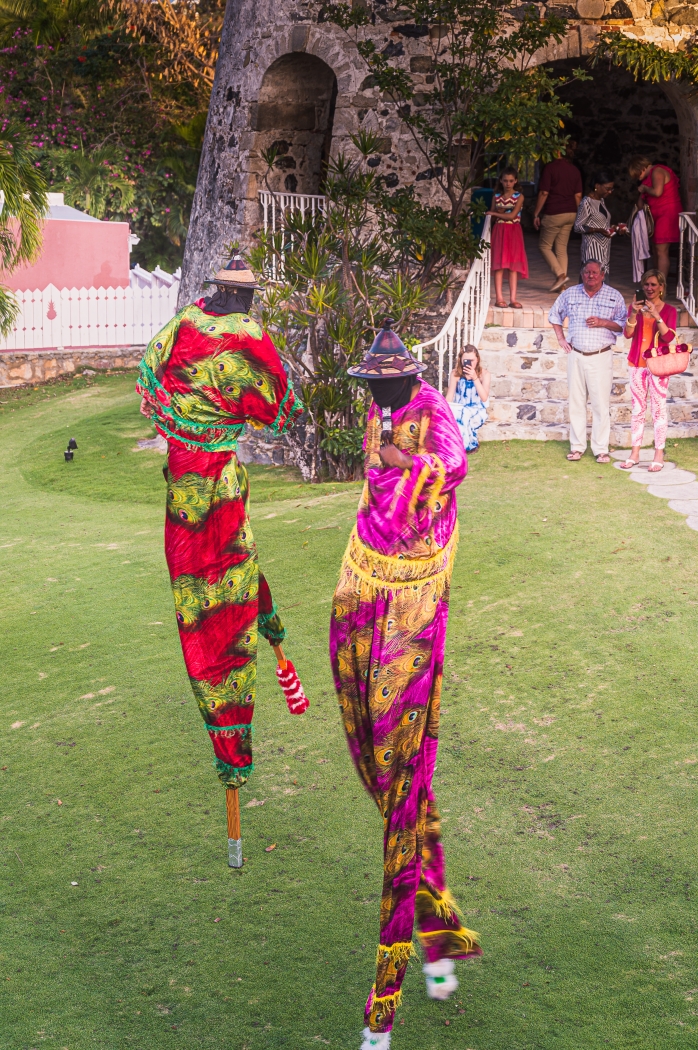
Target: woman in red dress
{"points": [[508, 251], [659, 189]]}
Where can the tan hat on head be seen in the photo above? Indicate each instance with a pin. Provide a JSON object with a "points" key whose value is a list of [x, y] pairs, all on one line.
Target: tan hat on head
{"points": [[236, 274]]}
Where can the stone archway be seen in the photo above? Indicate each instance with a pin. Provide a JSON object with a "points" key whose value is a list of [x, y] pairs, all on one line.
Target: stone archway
{"points": [[294, 113], [613, 117]]}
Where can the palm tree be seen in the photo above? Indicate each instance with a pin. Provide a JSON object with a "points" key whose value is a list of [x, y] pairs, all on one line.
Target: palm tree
{"points": [[23, 205], [49, 21], [90, 180]]}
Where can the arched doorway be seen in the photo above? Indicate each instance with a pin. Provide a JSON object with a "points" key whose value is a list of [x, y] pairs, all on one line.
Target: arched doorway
{"points": [[613, 117], [295, 113]]}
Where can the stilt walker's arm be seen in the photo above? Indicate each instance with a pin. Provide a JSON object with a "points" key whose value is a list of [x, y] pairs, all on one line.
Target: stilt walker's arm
{"points": [[232, 803]]}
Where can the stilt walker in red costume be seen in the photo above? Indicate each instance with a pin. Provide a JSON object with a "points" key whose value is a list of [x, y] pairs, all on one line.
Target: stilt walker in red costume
{"points": [[208, 372]]}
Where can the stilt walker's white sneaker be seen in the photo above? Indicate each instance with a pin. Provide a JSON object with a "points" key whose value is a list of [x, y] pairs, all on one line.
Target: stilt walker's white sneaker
{"points": [[375, 1040], [441, 979]]}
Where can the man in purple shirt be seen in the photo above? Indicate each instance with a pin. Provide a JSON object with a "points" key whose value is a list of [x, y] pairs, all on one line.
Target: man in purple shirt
{"points": [[559, 195]]}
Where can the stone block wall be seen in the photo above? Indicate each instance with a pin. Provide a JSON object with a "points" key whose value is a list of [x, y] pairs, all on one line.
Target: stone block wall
{"points": [[23, 368], [288, 78]]}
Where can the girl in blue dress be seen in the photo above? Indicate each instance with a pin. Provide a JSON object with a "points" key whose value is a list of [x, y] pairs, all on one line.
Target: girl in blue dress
{"points": [[468, 394]]}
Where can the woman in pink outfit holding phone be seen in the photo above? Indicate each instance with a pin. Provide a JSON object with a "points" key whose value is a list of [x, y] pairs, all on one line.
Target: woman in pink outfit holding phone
{"points": [[651, 322]]}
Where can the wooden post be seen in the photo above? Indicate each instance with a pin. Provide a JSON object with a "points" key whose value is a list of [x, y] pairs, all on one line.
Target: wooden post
{"points": [[232, 805], [281, 659]]}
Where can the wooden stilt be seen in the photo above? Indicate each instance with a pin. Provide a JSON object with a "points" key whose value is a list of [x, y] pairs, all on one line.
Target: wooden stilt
{"points": [[281, 659], [232, 805]]}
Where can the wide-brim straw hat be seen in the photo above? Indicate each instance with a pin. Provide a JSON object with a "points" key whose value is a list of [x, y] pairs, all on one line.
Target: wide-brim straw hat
{"points": [[388, 357], [235, 274]]}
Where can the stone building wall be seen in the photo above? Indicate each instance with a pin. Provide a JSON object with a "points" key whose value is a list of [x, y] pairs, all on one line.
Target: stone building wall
{"points": [[286, 77]]}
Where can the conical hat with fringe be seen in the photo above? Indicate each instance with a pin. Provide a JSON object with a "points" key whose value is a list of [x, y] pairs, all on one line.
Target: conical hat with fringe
{"points": [[388, 357]]}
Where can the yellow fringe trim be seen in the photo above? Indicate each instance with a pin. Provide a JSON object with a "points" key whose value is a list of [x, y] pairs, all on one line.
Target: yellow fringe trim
{"points": [[399, 488], [438, 484], [390, 1001], [380, 573], [444, 905], [400, 953], [427, 469], [424, 474], [467, 935]]}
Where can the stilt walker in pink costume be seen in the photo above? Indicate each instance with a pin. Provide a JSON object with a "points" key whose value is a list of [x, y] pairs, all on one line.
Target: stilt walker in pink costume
{"points": [[387, 640]]}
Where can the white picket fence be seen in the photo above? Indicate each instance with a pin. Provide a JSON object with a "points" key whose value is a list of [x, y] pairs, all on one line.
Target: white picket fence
{"points": [[59, 318], [467, 319]]}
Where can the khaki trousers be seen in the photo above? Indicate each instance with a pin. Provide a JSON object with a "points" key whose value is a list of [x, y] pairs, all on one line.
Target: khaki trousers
{"points": [[590, 376], [555, 233]]}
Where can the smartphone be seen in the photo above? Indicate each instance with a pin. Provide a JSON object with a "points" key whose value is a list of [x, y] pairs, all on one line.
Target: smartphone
{"points": [[640, 296]]}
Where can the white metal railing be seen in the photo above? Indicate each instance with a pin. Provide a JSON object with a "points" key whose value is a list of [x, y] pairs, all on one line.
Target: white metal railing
{"points": [[686, 286], [276, 205], [466, 321], [73, 317]]}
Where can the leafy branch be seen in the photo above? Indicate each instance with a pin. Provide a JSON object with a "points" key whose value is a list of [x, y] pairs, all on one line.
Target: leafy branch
{"points": [[483, 93], [24, 205], [646, 61], [332, 280]]}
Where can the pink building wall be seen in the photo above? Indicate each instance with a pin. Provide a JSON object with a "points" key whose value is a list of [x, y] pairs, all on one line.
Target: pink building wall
{"points": [[77, 254]]}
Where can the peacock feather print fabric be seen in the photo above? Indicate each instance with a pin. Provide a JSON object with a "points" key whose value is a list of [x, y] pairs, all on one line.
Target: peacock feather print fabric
{"points": [[202, 378], [387, 642]]}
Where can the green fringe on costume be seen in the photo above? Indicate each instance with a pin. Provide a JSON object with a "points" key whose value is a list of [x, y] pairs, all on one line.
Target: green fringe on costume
{"points": [[230, 776]]}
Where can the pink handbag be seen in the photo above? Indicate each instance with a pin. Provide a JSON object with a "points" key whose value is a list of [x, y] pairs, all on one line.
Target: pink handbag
{"points": [[668, 360]]}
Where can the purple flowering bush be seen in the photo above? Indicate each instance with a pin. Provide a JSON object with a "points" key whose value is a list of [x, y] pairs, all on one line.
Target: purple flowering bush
{"points": [[119, 142]]}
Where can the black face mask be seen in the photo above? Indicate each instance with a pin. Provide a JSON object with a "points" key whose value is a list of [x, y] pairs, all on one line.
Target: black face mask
{"points": [[391, 393], [229, 301]]}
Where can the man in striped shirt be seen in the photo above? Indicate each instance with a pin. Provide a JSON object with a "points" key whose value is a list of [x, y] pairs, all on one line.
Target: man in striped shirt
{"points": [[596, 316]]}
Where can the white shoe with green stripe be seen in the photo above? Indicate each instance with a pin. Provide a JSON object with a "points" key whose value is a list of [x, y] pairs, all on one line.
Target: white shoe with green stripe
{"points": [[375, 1040], [441, 979]]}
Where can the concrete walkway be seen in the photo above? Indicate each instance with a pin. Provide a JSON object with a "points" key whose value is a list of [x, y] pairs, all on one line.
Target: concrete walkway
{"points": [[679, 487]]}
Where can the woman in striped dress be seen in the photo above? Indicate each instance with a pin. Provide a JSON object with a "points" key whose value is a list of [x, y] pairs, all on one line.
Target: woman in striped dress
{"points": [[594, 222]]}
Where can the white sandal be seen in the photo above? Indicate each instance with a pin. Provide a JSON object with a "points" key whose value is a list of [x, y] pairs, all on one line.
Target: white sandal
{"points": [[441, 979], [375, 1040]]}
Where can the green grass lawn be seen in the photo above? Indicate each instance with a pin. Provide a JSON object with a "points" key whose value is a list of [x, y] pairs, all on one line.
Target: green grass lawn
{"points": [[567, 771]]}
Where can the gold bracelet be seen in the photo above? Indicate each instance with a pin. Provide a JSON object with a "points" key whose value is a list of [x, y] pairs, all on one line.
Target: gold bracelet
{"points": [[631, 324]]}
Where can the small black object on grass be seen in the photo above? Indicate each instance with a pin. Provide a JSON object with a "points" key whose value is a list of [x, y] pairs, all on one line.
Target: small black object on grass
{"points": [[68, 455], [72, 444]]}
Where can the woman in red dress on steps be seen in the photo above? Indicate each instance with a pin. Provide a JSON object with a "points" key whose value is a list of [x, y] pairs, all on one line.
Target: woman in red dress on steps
{"points": [[508, 251], [659, 189]]}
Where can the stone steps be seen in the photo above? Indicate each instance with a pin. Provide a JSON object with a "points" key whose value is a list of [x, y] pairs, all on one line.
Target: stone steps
{"points": [[539, 340], [537, 388], [528, 397], [537, 317], [534, 431], [555, 411]]}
